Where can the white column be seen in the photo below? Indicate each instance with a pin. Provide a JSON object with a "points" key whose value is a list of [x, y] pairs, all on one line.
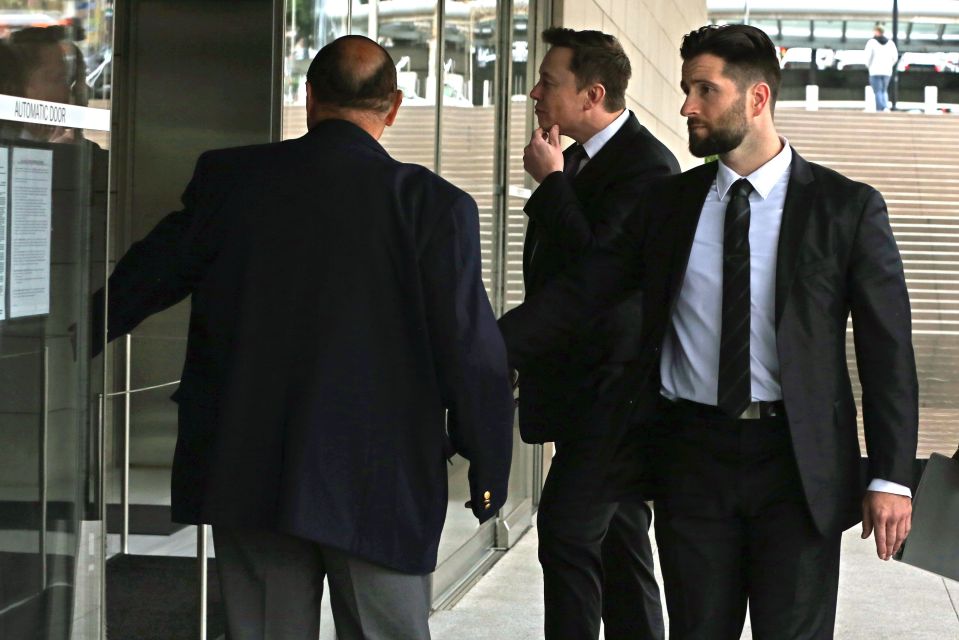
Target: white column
{"points": [[812, 97], [931, 95], [870, 99]]}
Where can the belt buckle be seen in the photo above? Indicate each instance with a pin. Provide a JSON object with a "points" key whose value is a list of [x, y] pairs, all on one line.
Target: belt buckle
{"points": [[752, 412]]}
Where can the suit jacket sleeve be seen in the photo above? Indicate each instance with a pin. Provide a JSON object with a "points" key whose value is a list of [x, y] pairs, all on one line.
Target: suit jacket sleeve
{"points": [[161, 269], [469, 355], [565, 306], [561, 217], [882, 329]]}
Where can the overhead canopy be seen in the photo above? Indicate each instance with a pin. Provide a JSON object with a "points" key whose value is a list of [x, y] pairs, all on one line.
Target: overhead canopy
{"points": [[924, 25]]}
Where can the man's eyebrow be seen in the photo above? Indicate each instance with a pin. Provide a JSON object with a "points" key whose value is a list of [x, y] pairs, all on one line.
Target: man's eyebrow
{"points": [[693, 81]]}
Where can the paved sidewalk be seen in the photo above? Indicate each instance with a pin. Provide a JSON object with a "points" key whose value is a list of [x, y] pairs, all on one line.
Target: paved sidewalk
{"points": [[877, 600]]}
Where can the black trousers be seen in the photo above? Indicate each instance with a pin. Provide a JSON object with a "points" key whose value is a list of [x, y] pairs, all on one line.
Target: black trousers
{"points": [[733, 526], [596, 556]]}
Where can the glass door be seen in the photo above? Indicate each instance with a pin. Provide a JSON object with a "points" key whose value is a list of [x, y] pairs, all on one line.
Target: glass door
{"points": [[54, 151]]}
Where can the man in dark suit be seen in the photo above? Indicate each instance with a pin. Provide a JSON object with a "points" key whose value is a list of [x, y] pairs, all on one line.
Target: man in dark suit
{"points": [[337, 314], [739, 406], [596, 557]]}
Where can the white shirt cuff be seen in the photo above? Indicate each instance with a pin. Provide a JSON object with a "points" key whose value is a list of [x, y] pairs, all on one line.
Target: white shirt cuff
{"points": [[889, 487]]}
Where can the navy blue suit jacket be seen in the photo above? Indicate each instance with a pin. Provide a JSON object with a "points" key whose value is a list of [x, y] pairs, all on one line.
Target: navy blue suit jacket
{"points": [[338, 312]]}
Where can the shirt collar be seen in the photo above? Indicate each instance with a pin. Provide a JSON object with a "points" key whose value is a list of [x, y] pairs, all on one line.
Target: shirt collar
{"points": [[762, 179], [595, 144]]}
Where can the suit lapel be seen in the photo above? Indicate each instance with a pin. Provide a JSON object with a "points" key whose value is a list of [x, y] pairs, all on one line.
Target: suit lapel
{"points": [[597, 171], [689, 207], [800, 195]]}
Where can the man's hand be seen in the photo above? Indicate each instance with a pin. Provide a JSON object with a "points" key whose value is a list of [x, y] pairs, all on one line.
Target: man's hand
{"points": [[543, 155], [891, 517]]}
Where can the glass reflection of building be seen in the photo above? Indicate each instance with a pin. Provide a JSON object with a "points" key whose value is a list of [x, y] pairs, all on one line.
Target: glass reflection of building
{"points": [[53, 209]]}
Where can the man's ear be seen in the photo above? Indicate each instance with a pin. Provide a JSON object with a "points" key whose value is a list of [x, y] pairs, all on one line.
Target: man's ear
{"points": [[309, 98], [761, 97], [397, 101], [595, 96]]}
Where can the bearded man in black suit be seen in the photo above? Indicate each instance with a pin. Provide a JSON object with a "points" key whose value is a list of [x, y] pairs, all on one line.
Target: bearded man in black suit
{"points": [[738, 413], [596, 556]]}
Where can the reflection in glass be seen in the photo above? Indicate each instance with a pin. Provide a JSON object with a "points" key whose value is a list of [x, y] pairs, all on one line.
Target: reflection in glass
{"points": [[468, 146], [48, 384], [62, 55], [520, 130], [410, 35], [310, 25]]}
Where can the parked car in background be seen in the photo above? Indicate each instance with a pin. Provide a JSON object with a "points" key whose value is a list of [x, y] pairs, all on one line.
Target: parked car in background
{"points": [[914, 61], [850, 59], [800, 58]]}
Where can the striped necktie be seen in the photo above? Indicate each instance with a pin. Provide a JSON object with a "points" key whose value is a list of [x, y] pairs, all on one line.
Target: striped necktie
{"points": [[735, 391]]}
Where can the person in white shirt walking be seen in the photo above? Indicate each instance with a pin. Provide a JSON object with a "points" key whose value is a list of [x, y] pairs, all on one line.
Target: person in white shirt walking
{"points": [[881, 58]]}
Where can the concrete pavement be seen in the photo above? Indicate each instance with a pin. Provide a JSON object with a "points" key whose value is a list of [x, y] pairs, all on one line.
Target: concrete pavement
{"points": [[877, 600]]}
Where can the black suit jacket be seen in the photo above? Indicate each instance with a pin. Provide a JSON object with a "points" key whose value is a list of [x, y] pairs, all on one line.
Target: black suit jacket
{"points": [[566, 219], [836, 255], [337, 312]]}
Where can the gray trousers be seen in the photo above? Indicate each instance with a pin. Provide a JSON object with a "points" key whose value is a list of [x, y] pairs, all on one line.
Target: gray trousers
{"points": [[272, 584]]}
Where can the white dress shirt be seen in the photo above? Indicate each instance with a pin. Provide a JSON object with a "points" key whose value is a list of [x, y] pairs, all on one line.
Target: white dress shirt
{"points": [[689, 368], [600, 138]]}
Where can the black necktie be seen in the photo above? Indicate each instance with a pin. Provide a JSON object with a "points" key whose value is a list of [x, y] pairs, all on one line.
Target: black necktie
{"points": [[735, 392], [572, 158]]}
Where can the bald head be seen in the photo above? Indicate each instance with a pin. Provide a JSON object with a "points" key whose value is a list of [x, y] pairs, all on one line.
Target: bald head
{"points": [[354, 73]]}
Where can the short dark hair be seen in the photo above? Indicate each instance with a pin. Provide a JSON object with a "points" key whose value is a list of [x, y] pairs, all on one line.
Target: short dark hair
{"points": [[597, 57], [748, 53], [335, 81], [11, 73], [30, 43]]}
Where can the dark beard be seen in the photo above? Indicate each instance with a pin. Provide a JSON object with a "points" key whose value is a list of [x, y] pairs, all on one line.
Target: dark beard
{"points": [[728, 133]]}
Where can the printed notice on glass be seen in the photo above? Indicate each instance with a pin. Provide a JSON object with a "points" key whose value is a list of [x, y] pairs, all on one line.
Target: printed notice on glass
{"points": [[30, 219], [4, 170]]}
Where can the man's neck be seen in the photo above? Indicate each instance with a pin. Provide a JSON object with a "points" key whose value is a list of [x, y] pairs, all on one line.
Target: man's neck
{"points": [[754, 152], [590, 128], [372, 126]]}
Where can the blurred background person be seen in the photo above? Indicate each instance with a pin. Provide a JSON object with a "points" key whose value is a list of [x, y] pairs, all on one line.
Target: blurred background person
{"points": [[881, 59]]}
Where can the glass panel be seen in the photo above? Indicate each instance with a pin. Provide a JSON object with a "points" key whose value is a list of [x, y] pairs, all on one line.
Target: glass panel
{"points": [[796, 28], [831, 29], [310, 24], [469, 133], [924, 31], [860, 30], [951, 33], [467, 159], [520, 129], [410, 35], [53, 194]]}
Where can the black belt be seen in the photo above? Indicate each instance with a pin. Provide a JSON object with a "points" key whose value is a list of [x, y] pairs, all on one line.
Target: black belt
{"points": [[755, 410]]}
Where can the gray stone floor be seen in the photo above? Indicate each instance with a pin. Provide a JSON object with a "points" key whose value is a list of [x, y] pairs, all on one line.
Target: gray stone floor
{"points": [[877, 600]]}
